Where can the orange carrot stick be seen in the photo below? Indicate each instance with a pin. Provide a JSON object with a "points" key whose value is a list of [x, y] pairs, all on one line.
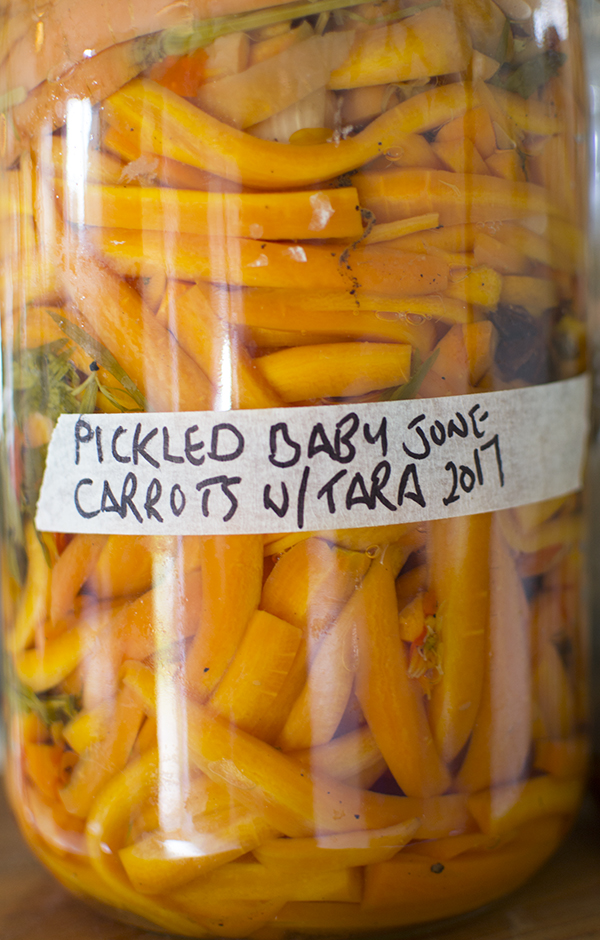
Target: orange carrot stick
{"points": [[457, 197], [500, 742], [249, 263], [71, 570], [276, 216], [232, 568], [459, 562], [258, 670], [178, 130], [392, 702], [335, 369], [166, 375]]}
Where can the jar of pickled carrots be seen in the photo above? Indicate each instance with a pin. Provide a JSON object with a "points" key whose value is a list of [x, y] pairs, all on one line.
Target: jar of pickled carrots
{"points": [[294, 430]]}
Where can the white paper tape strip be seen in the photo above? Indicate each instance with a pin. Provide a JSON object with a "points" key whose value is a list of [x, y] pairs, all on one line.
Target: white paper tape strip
{"points": [[290, 469]]}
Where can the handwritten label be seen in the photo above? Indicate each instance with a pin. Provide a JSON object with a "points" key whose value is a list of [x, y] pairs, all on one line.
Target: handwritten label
{"points": [[290, 469]]}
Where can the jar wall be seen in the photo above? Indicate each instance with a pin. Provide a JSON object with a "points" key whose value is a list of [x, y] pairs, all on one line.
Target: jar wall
{"points": [[325, 729]]}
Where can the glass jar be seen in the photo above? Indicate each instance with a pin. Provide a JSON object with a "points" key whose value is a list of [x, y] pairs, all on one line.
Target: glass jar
{"points": [[293, 337]]}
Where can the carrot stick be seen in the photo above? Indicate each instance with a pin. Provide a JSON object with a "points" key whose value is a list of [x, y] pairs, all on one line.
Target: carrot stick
{"points": [[392, 702], [459, 563], [232, 570], [250, 263], [530, 115], [71, 570], [276, 216], [176, 129], [293, 800], [258, 670], [500, 741], [460, 155], [476, 125], [124, 567], [205, 338], [410, 885], [335, 369], [69, 32], [106, 757], [45, 108], [34, 602], [392, 230], [167, 376], [343, 756], [426, 45], [501, 809], [457, 197], [259, 92], [569, 758], [107, 825], [218, 838], [330, 853]]}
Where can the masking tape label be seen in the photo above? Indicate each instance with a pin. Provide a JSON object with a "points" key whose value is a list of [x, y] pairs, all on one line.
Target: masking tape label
{"points": [[314, 468]]}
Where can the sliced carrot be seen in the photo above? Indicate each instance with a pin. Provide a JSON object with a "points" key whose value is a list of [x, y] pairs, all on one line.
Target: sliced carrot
{"points": [[276, 216], [258, 670], [392, 702], [246, 262], [106, 757], [425, 45], [123, 567], [536, 294], [459, 564], [275, 83], [34, 603], [501, 809], [335, 369], [500, 743], [349, 753], [43, 765], [460, 156], [130, 331], [71, 570], [482, 286], [457, 197], [232, 568], [204, 337], [476, 125], [179, 130], [507, 165], [569, 758], [505, 258], [272, 45]]}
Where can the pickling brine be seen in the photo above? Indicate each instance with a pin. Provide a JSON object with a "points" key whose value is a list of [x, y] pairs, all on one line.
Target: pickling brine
{"points": [[219, 726]]}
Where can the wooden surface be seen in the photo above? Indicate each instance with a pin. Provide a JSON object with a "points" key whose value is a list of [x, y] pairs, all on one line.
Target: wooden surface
{"points": [[562, 902]]}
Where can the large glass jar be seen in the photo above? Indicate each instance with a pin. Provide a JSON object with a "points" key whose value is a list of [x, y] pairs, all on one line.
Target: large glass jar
{"points": [[294, 420]]}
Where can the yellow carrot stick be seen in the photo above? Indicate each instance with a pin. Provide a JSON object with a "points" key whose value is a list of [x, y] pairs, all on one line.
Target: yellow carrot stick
{"points": [[153, 867], [106, 757], [459, 563], [277, 216], [530, 116], [178, 130], [232, 568], [165, 614], [461, 156], [410, 884], [205, 338], [317, 711], [107, 825], [246, 262], [507, 165], [347, 754], [335, 311], [554, 694], [425, 45], [258, 92], [457, 197], [481, 286], [476, 125], [88, 727], [293, 800], [569, 758], [34, 602], [392, 702], [335, 369], [124, 567], [391, 230], [505, 258], [329, 853], [166, 375], [500, 741], [501, 809], [538, 247], [71, 570], [44, 668], [258, 670]]}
